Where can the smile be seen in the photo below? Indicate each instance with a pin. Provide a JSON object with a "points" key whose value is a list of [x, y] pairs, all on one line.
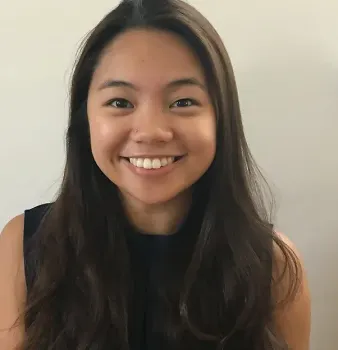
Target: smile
{"points": [[152, 163]]}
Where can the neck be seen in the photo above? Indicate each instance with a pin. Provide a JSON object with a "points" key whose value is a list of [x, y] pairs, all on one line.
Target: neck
{"points": [[158, 219]]}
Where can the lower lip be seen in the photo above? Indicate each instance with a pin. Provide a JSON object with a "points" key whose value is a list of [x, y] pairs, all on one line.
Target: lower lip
{"points": [[151, 172]]}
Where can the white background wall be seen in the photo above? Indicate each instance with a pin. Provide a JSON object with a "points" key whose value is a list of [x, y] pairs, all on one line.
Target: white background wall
{"points": [[285, 55]]}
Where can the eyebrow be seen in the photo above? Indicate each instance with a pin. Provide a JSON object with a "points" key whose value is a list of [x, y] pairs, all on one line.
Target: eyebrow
{"points": [[172, 85]]}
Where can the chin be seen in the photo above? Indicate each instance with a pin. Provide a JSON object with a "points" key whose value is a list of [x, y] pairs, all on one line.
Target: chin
{"points": [[155, 197]]}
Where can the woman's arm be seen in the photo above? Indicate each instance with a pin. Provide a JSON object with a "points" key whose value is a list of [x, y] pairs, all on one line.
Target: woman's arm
{"points": [[12, 284], [293, 318]]}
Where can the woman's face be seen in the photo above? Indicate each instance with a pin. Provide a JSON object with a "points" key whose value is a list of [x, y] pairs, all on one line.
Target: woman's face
{"points": [[151, 120]]}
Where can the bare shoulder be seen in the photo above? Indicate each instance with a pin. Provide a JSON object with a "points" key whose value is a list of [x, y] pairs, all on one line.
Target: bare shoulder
{"points": [[12, 281], [15, 225], [288, 243], [291, 293], [11, 241], [11, 244]]}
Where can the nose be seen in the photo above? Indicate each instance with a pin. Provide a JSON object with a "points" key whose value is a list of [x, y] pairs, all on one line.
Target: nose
{"points": [[152, 128]]}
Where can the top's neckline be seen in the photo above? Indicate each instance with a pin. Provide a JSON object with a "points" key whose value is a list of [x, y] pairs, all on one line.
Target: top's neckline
{"points": [[187, 221]]}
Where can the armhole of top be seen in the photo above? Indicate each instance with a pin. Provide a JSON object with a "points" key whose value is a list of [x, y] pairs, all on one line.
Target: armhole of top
{"points": [[32, 220]]}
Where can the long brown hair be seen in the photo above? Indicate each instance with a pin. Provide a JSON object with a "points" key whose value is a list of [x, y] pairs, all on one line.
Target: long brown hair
{"points": [[80, 294]]}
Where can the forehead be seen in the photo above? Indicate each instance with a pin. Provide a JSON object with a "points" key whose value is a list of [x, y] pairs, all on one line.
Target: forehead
{"points": [[145, 55]]}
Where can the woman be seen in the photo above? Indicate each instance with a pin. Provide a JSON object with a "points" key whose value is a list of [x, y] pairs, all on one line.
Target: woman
{"points": [[158, 238]]}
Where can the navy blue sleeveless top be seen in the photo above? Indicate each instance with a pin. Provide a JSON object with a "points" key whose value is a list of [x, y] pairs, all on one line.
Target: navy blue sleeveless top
{"points": [[148, 254]]}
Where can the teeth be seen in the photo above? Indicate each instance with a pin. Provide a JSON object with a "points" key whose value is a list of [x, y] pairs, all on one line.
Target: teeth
{"points": [[155, 163], [164, 161]]}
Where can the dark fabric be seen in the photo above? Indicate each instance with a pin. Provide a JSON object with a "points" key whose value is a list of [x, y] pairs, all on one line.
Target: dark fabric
{"points": [[155, 262], [32, 221], [153, 258]]}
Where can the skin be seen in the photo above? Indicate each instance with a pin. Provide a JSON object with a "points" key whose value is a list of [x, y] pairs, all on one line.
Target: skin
{"points": [[12, 282], [294, 319], [156, 125], [166, 111]]}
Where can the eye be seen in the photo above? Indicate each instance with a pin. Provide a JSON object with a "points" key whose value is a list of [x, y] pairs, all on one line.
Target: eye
{"points": [[120, 103], [184, 103]]}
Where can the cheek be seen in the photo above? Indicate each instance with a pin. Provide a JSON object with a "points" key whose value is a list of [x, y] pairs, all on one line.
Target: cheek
{"points": [[103, 138], [201, 140]]}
